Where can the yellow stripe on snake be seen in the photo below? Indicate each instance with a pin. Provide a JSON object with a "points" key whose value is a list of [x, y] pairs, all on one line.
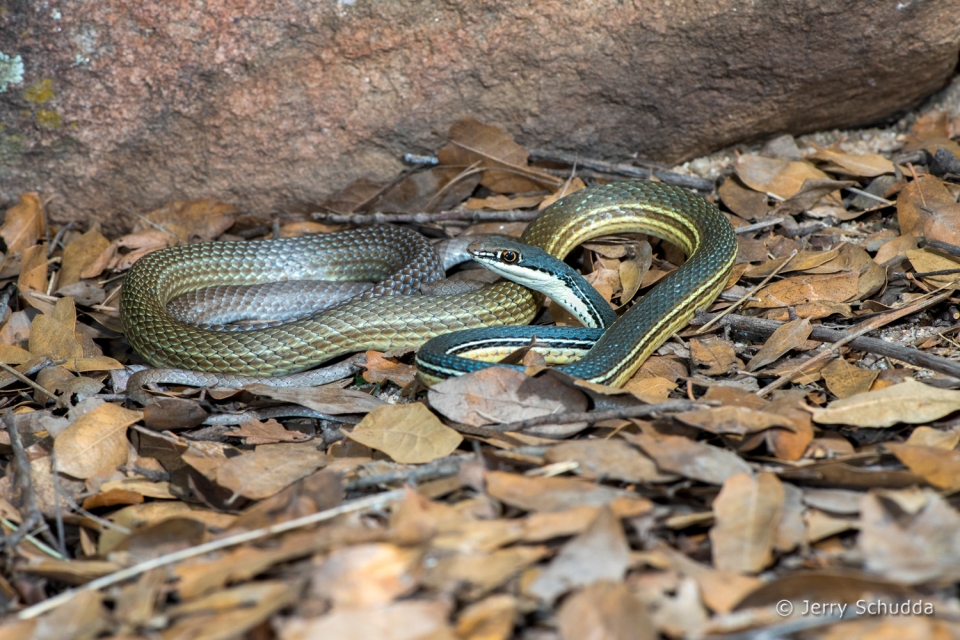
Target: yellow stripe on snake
{"points": [[384, 322]]}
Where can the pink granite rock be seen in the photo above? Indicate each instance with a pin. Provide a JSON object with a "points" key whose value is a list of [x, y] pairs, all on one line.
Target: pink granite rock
{"points": [[274, 104]]}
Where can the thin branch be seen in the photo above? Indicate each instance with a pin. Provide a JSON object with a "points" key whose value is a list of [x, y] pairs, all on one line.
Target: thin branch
{"points": [[27, 381], [668, 177], [362, 504], [592, 417], [512, 215], [32, 517]]}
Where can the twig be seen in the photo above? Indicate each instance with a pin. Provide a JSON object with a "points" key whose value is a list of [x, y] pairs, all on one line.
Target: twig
{"points": [[27, 381], [442, 468], [914, 357], [57, 238], [669, 177], [23, 488], [867, 194], [531, 173], [757, 226], [592, 417], [362, 504], [863, 328], [512, 215], [749, 294]]}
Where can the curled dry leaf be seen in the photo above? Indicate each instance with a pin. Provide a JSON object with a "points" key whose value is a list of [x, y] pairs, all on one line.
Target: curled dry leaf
{"points": [[498, 394], [939, 467], [790, 335], [379, 369], [910, 402], [95, 440], [866, 165], [408, 433], [782, 178], [80, 254], [23, 226], [747, 511]]}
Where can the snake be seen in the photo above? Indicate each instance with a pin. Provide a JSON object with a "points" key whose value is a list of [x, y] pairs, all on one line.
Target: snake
{"points": [[379, 321]]}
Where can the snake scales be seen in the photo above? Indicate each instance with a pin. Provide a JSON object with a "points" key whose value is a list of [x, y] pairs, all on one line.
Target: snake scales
{"points": [[385, 322]]}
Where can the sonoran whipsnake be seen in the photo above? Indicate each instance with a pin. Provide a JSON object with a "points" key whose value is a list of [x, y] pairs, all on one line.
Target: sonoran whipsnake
{"points": [[390, 322]]}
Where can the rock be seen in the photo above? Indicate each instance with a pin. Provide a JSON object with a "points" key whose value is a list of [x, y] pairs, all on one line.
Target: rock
{"points": [[275, 105]]}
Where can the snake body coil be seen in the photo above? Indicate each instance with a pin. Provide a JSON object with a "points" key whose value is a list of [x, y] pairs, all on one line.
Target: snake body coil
{"points": [[389, 322]]}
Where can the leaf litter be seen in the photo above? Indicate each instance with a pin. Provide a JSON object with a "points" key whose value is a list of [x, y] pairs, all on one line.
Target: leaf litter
{"points": [[745, 465]]}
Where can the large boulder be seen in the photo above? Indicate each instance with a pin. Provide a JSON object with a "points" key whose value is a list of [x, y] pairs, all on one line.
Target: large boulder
{"points": [[272, 105]]}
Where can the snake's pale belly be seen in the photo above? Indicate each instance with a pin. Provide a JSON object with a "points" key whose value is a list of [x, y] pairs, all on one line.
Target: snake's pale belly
{"points": [[388, 322]]}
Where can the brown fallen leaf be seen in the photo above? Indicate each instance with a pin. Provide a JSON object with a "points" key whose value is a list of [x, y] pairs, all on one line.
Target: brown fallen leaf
{"points": [[544, 526], [95, 440], [51, 338], [844, 379], [605, 611], [613, 459], [600, 553], [924, 261], [746, 203], [489, 147], [474, 575], [270, 432], [409, 433], [553, 494], [714, 355], [931, 437], [492, 618], [788, 336], [650, 388], [747, 511], [910, 402], [733, 420], [187, 219], [926, 208], [939, 467], [568, 187], [271, 467], [23, 226], [794, 291], [863, 165], [80, 254], [232, 613], [33, 276], [782, 178], [498, 394], [334, 401], [366, 575], [83, 615], [803, 261], [695, 460], [503, 203], [910, 536], [379, 369]]}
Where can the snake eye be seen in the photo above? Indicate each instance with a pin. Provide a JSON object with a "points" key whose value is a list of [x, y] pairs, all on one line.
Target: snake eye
{"points": [[509, 256]]}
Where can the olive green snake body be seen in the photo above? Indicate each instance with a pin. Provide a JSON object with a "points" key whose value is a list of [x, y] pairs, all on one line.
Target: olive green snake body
{"points": [[384, 322]]}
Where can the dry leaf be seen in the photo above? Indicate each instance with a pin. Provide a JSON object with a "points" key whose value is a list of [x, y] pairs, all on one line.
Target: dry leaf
{"points": [[270, 432], [911, 402], [790, 335], [732, 420], [605, 611], [366, 575], [695, 460], [379, 369], [503, 203], [795, 291], [552, 494], [50, 338], [865, 165], [405, 620], [779, 177], [23, 226], [844, 379], [599, 553], [612, 459], [269, 468], [926, 208], [747, 511], [746, 203], [910, 536], [924, 261], [95, 440], [33, 275], [649, 387], [334, 401], [714, 356], [408, 433], [498, 394], [80, 254], [939, 467], [570, 186], [474, 143], [492, 618], [187, 219]]}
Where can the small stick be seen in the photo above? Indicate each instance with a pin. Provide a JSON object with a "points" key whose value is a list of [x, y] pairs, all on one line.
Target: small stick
{"points": [[442, 468], [911, 356], [23, 486], [863, 328], [592, 417], [27, 381], [757, 226], [512, 215], [668, 177], [362, 504], [749, 294]]}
